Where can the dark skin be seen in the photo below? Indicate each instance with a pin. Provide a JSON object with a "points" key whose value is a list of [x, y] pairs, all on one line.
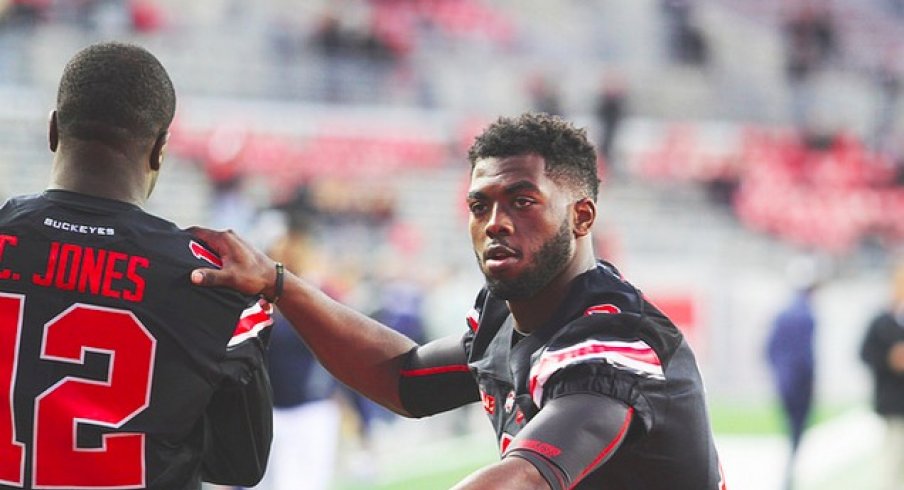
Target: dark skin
{"points": [[125, 170], [512, 201]]}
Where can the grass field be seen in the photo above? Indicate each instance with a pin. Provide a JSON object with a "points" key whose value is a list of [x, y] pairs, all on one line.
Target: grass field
{"points": [[736, 418], [440, 464]]}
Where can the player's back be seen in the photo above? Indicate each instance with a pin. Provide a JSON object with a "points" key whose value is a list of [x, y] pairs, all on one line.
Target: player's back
{"points": [[108, 356]]}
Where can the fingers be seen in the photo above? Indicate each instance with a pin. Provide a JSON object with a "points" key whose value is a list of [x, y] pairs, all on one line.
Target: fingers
{"points": [[216, 240], [200, 232], [209, 278], [199, 278], [245, 269]]}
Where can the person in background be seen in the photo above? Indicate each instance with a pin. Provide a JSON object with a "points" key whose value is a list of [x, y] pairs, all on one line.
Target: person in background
{"points": [[610, 110], [883, 352], [586, 383], [544, 95], [115, 372], [306, 415], [790, 351]]}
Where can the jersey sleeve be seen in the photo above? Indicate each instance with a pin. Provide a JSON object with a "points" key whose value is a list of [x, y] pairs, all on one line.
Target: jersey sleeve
{"points": [[238, 421], [613, 355], [572, 436], [436, 378]]}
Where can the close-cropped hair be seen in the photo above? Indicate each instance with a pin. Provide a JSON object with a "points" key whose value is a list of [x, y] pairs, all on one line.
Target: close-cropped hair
{"points": [[114, 91], [570, 157]]}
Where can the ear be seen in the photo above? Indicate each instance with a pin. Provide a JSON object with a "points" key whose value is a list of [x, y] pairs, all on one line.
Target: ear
{"points": [[53, 132], [584, 216], [158, 151]]}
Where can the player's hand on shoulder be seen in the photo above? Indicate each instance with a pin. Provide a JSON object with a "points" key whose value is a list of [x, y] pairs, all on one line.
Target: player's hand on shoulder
{"points": [[245, 269]]}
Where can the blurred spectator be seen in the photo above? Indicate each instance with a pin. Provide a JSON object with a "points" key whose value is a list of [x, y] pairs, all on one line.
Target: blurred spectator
{"points": [[611, 105], [791, 358], [222, 164], [357, 61], [306, 414], [677, 15], [544, 96], [883, 352], [685, 40], [22, 12], [810, 42], [888, 88], [329, 37], [400, 307]]}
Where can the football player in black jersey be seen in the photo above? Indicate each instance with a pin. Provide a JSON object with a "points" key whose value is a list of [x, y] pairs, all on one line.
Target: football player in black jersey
{"points": [[116, 372], [586, 383]]}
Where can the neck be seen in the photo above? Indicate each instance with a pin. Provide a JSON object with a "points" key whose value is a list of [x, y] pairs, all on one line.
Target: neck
{"points": [[532, 313], [100, 171]]}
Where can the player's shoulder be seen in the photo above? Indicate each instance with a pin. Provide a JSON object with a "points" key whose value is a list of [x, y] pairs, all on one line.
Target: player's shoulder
{"points": [[614, 300], [611, 316], [18, 205], [176, 246], [651, 328], [181, 246]]}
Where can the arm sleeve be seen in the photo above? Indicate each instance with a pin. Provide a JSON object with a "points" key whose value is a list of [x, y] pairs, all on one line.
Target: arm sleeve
{"points": [[238, 422], [572, 436], [436, 378]]}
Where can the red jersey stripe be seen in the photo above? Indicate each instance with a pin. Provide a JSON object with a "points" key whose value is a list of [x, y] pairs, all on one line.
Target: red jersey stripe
{"points": [[253, 320], [622, 432], [473, 320], [452, 368]]}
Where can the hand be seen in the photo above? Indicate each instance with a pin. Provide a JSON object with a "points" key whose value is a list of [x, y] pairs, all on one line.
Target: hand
{"points": [[245, 269], [896, 357]]}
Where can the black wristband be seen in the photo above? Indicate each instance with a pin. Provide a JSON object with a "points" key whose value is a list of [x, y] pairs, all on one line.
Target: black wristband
{"points": [[279, 284]]}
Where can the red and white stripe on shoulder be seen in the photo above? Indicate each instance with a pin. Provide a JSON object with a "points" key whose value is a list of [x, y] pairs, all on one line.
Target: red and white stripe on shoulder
{"points": [[253, 321], [473, 319], [635, 356], [606, 308], [204, 253]]}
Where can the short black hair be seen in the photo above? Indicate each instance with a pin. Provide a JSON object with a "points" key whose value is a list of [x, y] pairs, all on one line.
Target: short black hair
{"points": [[569, 155], [114, 91]]}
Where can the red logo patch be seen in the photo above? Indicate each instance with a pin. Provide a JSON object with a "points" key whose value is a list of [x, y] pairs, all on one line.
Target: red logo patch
{"points": [[202, 253], [606, 308], [473, 320], [504, 442], [489, 402], [519, 417], [544, 448]]}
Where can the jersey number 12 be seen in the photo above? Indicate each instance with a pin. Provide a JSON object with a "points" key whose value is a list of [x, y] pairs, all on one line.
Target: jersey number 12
{"points": [[57, 460]]}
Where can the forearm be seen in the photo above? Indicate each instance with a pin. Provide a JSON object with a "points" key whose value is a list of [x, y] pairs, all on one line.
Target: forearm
{"points": [[359, 351], [509, 474]]}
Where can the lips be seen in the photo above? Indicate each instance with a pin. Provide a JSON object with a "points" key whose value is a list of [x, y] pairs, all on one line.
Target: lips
{"points": [[498, 257]]}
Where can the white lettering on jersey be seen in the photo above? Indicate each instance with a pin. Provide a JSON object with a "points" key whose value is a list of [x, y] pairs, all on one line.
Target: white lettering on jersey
{"points": [[76, 228]]}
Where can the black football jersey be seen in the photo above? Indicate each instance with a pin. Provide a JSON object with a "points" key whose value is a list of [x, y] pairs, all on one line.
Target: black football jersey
{"points": [[115, 371], [605, 347], [605, 339]]}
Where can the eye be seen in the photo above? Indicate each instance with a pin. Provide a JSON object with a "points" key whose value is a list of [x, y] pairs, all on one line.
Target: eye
{"points": [[523, 202], [477, 207]]}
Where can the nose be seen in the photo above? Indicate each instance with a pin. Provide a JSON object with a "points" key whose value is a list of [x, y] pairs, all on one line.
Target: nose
{"points": [[499, 223]]}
